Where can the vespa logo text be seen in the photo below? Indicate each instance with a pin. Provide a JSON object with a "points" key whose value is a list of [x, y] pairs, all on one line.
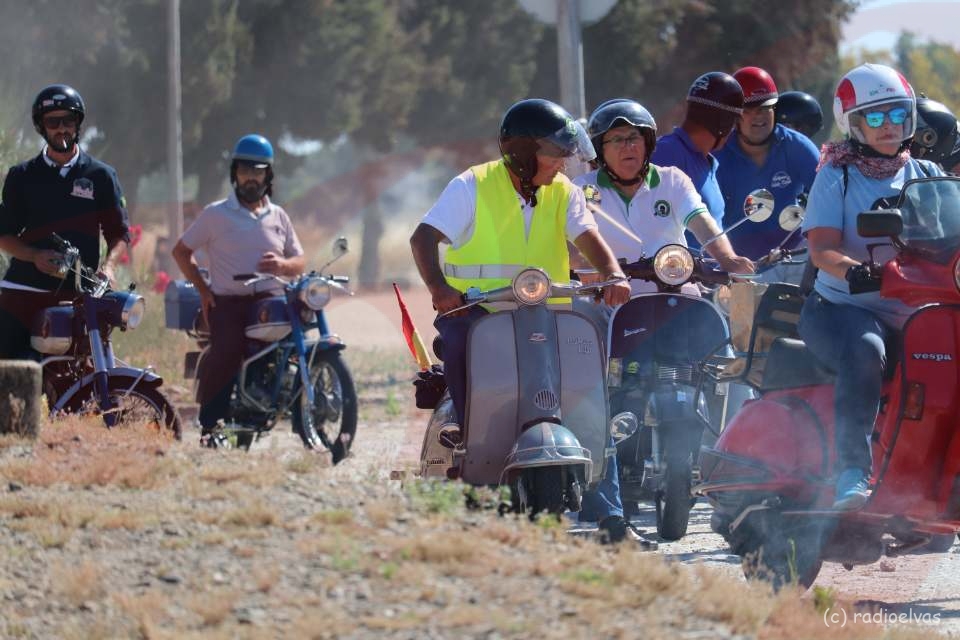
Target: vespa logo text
{"points": [[583, 345], [938, 357]]}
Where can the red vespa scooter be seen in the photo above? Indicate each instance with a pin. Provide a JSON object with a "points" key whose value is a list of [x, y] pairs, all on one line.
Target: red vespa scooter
{"points": [[770, 475]]}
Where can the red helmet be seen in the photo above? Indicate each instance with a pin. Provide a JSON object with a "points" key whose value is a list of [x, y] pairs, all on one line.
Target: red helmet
{"points": [[869, 86], [759, 89]]}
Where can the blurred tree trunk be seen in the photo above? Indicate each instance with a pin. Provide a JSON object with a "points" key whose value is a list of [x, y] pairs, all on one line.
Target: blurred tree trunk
{"points": [[368, 271]]}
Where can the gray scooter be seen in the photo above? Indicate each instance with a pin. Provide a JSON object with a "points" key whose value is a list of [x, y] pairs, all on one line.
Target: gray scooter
{"points": [[536, 414]]}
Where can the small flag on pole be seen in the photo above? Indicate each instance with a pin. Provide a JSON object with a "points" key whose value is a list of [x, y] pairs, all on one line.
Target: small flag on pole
{"points": [[410, 334]]}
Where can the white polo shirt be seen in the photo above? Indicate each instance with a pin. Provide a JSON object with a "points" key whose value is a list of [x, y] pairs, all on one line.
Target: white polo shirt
{"points": [[658, 213]]}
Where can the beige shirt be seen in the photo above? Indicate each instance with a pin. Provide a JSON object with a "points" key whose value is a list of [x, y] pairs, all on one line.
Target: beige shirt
{"points": [[234, 239]]}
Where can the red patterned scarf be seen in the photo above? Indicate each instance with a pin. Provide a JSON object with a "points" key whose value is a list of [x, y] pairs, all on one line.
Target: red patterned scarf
{"points": [[879, 167]]}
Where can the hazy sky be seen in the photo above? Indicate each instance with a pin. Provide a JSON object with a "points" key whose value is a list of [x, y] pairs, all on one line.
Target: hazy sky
{"points": [[878, 22]]}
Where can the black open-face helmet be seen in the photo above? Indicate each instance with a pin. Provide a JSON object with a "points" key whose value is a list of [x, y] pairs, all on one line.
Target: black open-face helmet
{"points": [[800, 111], [936, 135], [535, 125], [616, 113], [57, 97], [714, 101]]}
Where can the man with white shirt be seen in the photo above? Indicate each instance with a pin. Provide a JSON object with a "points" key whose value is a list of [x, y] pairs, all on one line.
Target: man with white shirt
{"points": [[62, 190], [244, 233], [645, 201], [505, 215]]}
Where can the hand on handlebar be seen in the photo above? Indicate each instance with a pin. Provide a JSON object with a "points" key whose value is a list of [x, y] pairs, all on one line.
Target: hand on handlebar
{"points": [[736, 264], [445, 298], [617, 293], [863, 278], [49, 262]]}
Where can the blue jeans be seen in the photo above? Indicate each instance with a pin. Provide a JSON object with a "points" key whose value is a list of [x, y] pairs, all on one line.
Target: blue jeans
{"points": [[604, 501], [851, 341]]}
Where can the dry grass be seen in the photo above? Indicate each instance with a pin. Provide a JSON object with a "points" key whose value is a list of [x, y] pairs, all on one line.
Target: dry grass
{"points": [[252, 515], [215, 606], [79, 584]]}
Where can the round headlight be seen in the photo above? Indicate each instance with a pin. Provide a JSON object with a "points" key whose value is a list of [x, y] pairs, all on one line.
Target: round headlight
{"points": [[315, 293], [721, 298], [531, 286], [673, 264], [133, 310], [956, 274]]}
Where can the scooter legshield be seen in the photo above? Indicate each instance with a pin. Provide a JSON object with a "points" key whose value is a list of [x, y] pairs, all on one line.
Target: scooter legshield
{"points": [[512, 365]]}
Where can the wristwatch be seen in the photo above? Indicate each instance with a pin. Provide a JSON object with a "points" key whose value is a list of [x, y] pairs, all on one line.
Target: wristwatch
{"points": [[617, 274]]}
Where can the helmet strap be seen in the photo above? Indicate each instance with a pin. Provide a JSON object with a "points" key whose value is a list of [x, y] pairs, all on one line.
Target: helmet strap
{"points": [[640, 177]]}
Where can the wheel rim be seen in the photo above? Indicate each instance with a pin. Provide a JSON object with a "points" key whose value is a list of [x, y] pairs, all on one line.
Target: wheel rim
{"points": [[132, 408], [327, 403]]}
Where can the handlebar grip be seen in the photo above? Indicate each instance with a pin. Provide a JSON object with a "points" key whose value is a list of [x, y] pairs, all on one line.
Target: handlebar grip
{"points": [[343, 279], [244, 276], [712, 276]]}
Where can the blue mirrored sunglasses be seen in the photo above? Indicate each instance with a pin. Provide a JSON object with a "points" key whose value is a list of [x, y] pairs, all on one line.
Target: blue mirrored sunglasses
{"points": [[875, 118]]}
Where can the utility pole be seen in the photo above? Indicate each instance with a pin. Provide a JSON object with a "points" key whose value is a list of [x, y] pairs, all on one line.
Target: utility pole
{"points": [[570, 57], [174, 135]]}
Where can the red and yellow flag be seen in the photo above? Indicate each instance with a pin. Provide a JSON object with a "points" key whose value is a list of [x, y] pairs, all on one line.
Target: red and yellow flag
{"points": [[411, 335]]}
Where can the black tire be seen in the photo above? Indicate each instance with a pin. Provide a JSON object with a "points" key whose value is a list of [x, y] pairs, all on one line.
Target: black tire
{"points": [[778, 554], [144, 402], [673, 500], [940, 543], [332, 421]]}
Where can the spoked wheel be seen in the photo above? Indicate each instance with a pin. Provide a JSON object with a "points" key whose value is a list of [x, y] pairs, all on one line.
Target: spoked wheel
{"points": [[143, 404], [771, 550], [332, 420], [673, 500]]}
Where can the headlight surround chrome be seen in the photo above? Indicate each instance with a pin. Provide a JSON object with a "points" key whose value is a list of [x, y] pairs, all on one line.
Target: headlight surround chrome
{"points": [[956, 274], [531, 286], [315, 293], [673, 264], [134, 308]]}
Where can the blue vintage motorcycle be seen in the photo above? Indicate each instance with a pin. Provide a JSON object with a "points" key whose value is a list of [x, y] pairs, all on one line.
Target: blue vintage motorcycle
{"points": [[292, 365], [81, 373]]}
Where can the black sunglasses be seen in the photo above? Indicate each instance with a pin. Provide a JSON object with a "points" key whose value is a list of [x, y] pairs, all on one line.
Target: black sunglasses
{"points": [[55, 122]]}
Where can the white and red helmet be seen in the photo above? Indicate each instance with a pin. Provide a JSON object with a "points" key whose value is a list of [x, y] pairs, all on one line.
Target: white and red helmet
{"points": [[869, 86], [759, 89]]}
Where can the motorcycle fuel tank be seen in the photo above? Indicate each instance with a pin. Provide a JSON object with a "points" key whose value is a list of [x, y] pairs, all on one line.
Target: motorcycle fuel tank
{"points": [[268, 321]]}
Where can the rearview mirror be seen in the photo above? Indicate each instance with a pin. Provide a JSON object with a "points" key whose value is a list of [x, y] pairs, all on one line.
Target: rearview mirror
{"points": [[881, 223], [791, 216], [340, 246], [623, 425], [758, 205]]}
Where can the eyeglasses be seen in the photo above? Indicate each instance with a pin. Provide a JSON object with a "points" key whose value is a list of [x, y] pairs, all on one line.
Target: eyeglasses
{"points": [[874, 119], [619, 142], [55, 122]]}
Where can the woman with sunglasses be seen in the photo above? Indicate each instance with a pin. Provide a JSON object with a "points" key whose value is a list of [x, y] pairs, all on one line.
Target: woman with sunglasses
{"points": [[844, 321]]}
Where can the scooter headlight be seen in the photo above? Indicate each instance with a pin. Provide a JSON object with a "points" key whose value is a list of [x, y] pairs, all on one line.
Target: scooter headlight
{"points": [[673, 264], [133, 311], [956, 274], [315, 293], [721, 298], [531, 286]]}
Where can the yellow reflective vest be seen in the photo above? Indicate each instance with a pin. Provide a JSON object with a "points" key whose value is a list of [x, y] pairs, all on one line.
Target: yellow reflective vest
{"points": [[499, 247]]}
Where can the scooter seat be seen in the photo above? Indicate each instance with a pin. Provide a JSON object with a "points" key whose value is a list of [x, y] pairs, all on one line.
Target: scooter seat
{"points": [[790, 364]]}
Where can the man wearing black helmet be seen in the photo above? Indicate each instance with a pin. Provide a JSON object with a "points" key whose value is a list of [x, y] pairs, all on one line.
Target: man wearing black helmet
{"points": [[477, 215], [62, 190], [714, 101], [799, 111], [936, 137]]}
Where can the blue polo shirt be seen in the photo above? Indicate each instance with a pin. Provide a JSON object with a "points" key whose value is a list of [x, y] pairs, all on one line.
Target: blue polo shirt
{"points": [[676, 149], [788, 171]]}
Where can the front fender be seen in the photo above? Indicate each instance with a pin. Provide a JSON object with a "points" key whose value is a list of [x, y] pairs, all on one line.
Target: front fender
{"points": [[147, 377]]}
